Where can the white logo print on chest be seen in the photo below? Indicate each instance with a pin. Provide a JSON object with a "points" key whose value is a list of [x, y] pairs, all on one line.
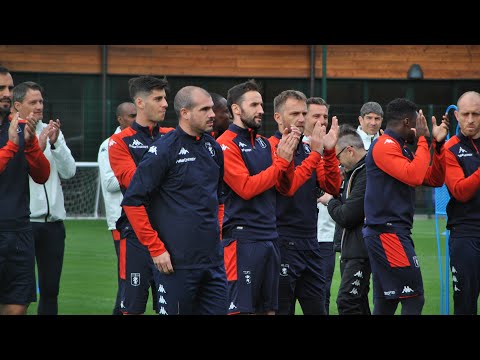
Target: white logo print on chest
{"points": [[184, 152], [244, 147]]}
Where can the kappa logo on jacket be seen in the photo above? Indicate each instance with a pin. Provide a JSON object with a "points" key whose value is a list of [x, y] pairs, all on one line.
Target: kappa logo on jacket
{"points": [[183, 151], [153, 150], [136, 144], [463, 153], [389, 141], [244, 147], [111, 142]]}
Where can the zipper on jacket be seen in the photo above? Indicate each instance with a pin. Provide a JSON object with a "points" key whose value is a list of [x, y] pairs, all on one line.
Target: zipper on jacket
{"points": [[48, 204]]}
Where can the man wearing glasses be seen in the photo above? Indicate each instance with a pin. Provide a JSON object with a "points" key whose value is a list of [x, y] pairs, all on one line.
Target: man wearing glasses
{"points": [[348, 213]]}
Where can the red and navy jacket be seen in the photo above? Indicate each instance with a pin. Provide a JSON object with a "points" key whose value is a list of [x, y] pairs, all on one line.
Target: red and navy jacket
{"points": [[463, 182], [16, 163], [297, 209], [125, 150], [393, 172], [179, 184], [252, 172]]}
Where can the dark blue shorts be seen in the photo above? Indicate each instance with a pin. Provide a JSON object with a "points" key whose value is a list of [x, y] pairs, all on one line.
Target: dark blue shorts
{"points": [[140, 275], [301, 274], [253, 269], [395, 267], [193, 292], [17, 268]]}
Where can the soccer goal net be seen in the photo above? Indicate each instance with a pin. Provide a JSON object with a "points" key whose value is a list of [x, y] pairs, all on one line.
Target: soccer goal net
{"points": [[83, 194]]}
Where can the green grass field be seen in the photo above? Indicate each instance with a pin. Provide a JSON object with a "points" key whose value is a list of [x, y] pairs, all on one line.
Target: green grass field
{"points": [[88, 284]]}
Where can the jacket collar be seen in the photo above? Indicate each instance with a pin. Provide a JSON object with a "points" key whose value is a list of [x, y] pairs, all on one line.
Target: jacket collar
{"points": [[146, 129], [396, 136], [184, 135]]}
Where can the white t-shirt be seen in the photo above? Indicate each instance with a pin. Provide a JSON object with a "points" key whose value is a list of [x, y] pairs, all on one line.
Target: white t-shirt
{"points": [[367, 139], [325, 224]]}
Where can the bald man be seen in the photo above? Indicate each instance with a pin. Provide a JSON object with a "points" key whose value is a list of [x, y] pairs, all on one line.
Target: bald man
{"points": [[112, 195], [463, 181], [179, 184]]}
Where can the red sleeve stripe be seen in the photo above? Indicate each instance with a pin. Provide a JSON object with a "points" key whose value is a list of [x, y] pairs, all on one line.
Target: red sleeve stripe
{"points": [[137, 215], [436, 172], [462, 188], [388, 156], [37, 162], [237, 175], [6, 153], [121, 161], [328, 173]]}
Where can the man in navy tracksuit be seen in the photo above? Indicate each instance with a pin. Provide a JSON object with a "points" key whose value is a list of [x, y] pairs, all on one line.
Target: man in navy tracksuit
{"points": [[252, 172], [126, 149], [301, 275], [393, 172], [173, 204], [462, 177], [20, 156]]}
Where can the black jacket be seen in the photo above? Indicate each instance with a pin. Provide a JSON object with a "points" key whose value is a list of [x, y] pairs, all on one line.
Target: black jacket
{"points": [[348, 213]]}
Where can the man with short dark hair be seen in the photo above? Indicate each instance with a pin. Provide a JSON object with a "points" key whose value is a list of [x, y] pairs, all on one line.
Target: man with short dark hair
{"points": [[393, 172], [253, 170], [125, 151], [6, 87], [20, 156]]}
